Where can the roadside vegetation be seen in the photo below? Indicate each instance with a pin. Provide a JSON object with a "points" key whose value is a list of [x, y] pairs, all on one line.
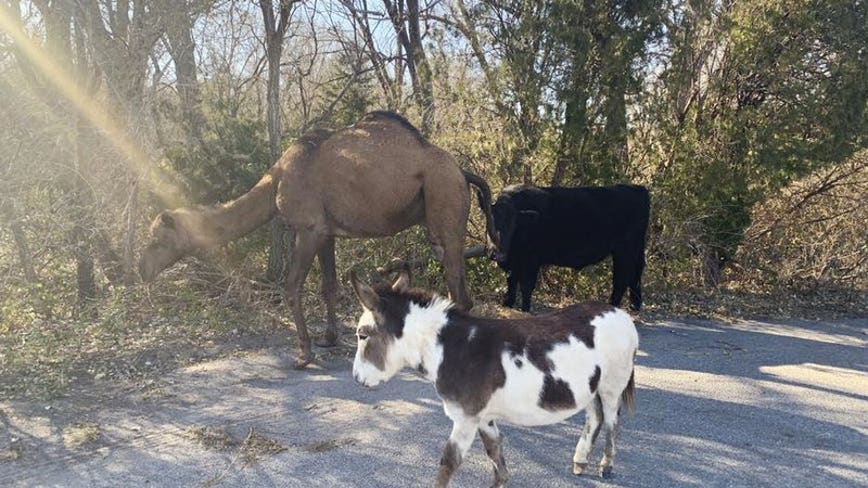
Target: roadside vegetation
{"points": [[745, 119]]}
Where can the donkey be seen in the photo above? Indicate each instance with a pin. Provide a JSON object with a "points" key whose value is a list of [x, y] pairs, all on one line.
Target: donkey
{"points": [[528, 371]]}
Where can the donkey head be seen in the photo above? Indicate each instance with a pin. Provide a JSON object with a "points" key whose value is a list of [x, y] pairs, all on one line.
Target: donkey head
{"points": [[380, 352]]}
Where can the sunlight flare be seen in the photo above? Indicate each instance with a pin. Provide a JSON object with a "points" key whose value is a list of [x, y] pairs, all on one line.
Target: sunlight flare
{"points": [[91, 109]]}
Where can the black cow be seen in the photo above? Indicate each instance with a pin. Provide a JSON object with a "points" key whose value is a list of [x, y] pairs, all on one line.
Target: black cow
{"points": [[572, 227]]}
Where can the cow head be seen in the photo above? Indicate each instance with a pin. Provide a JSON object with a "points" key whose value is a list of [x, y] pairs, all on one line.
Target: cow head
{"points": [[380, 350], [507, 220]]}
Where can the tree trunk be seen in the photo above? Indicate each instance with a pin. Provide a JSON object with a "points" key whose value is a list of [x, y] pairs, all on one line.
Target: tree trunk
{"points": [[424, 84], [82, 226], [274, 32], [712, 267], [7, 213], [182, 48], [130, 242]]}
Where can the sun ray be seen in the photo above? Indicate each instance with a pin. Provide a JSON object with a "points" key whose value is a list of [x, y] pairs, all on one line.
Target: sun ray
{"points": [[92, 109]]}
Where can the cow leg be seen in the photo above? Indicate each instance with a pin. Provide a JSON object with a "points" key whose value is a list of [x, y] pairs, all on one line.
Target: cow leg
{"points": [[492, 439], [463, 432], [636, 281], [593, 421], [326, 256], [511, 288], [528, 283], [611, 407], [621, 274], [306, 245]]}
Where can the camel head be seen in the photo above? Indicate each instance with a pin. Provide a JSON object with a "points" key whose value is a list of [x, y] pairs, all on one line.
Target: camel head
{"points": [[169, 243]]}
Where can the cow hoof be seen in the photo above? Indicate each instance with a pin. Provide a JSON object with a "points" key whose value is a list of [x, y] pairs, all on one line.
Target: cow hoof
{"points": [[579, 468], [327, 340], [606, 473]]}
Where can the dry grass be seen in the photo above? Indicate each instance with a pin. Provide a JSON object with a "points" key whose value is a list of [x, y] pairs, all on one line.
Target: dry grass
{"points": [[250, 447], [247, 450], [329, 445], [12, 452], [78, 435]]}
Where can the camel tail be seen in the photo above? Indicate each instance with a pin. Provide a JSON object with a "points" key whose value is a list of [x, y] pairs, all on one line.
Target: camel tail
{"points": [[483, 193]]}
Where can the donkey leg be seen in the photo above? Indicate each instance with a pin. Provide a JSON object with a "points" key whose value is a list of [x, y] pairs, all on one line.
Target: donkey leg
{"points": [[492, 439], [326, 256], [306, 245], [463, 432], [611, 409], [593, 421]]}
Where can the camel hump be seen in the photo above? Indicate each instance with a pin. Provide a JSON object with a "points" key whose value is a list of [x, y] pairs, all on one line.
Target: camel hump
{"points": [[311, 140], [387, 116]]}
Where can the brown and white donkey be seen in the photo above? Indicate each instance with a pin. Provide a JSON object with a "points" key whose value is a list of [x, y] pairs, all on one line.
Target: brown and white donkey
{"points": [[528, 371]]}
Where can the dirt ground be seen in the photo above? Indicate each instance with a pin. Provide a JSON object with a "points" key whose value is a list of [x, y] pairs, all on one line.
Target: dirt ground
{"points": [[746, 403]]}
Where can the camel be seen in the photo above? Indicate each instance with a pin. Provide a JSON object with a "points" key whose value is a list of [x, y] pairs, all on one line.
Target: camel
{"points": [[372, 179]]}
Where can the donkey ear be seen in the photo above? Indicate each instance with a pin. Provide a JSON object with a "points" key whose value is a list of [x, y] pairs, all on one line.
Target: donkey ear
{"points": [[402, 283], [367, 296], [167, 220]]}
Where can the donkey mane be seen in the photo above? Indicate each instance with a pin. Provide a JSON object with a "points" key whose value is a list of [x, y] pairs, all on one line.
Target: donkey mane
{"points": [[552, 327], [418, 296]]}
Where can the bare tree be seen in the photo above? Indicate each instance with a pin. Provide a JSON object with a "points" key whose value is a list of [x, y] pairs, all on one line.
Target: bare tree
{"points": [[405, 20], [275, 30], [177, 22]]}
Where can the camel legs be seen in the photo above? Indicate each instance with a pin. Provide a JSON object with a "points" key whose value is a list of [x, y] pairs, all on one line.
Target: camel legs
{"points": [[307, 244], [326, 256], [446, 218], [456, 280]]}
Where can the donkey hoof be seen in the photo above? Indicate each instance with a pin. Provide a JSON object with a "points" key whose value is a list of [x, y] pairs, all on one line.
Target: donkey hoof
{"points": [[579, 468], [327, 340], [606, 473]]}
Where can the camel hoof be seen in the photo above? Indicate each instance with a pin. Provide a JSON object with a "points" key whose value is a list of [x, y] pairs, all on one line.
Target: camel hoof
{"points": [[328, 340], [579, 468], [606, 473]]}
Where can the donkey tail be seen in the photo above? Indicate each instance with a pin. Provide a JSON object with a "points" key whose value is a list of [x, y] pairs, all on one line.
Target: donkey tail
{"points": [[483, 193], [628, 395]]}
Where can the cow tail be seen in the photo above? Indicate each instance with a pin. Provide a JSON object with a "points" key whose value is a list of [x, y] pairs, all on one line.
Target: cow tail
{"points": [[627, 396], [483, 193]]}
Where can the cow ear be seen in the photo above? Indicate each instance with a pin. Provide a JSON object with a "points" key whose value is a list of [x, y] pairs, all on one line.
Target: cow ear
{"points": [[402, 283], [167, 220], [367, 296], [529, 216]]}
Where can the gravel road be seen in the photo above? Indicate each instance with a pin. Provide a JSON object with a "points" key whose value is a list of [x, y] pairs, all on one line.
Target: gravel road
{"points": [[745, 404]]}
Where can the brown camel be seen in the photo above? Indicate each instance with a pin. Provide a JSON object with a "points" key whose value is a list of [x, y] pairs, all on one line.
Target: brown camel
{"points": [[372, 179]]}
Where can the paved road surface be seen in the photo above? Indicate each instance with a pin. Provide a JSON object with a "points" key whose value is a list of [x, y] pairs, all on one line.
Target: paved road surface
{"points": [[719, 405]]}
